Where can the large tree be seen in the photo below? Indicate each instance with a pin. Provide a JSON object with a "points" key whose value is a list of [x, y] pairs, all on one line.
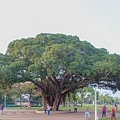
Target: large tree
{"points": [[59, 64]]}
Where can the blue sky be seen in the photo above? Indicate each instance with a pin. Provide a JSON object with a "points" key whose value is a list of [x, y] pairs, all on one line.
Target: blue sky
{"points": [[97, 21]]}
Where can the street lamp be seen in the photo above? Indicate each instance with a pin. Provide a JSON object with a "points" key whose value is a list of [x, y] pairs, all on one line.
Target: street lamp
{"points": [[95, 103], [96, 118]]}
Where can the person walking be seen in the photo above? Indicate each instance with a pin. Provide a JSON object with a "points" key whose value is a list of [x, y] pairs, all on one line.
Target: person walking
{"points": [[113, 113], [75, 107], [48, 109], [0, 109], [104, 109], [45, 109], [28, 106], [87, 112]]}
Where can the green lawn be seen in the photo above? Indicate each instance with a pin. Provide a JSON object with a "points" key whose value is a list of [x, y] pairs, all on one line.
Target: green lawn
{"points": [[108, 119], [92, 107], [5, 119]]}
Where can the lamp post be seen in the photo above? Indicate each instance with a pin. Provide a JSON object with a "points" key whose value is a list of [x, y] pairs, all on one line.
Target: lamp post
{"points": [[95, 99], [96, 118]]}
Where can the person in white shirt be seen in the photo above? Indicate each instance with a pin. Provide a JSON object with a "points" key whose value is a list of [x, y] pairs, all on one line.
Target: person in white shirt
{"points": [[48, 109]]}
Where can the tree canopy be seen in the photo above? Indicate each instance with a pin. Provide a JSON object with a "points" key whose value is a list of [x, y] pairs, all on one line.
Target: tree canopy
{"points": [[58, 64]]}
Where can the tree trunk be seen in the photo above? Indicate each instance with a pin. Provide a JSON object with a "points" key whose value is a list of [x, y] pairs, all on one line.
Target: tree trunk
{"points": [[20, 101], [57, 101], [64, 102], [69, 98], [63, 99], [29, 99], [82, 102], [44, 102]]}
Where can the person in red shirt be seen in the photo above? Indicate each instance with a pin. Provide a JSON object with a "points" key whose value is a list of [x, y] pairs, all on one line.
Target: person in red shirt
{"points": [[113, 113]]}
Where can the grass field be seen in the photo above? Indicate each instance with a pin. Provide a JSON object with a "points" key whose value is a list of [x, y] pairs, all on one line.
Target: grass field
{"points": [[108, 119], [92, 107], [5, 119]]}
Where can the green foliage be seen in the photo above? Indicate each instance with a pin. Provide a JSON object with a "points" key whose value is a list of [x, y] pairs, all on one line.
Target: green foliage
{"points": [[108, 70], [58, 64]]}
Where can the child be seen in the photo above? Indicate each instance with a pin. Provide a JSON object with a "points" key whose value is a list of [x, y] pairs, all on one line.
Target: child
{"points": [[48, 109], [113, 113], [87, 112]]}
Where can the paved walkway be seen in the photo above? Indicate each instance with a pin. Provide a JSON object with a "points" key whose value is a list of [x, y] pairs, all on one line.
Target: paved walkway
{"points": [[55, 115]]}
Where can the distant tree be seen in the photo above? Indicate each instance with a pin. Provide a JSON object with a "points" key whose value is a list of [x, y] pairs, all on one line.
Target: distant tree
{"points": [[105, 99], [87, 93], [18, 88], [29, 89], [116, 100]]}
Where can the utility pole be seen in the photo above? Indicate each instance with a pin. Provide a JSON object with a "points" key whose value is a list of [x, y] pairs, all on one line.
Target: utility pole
{"points": [[96, 118]]}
